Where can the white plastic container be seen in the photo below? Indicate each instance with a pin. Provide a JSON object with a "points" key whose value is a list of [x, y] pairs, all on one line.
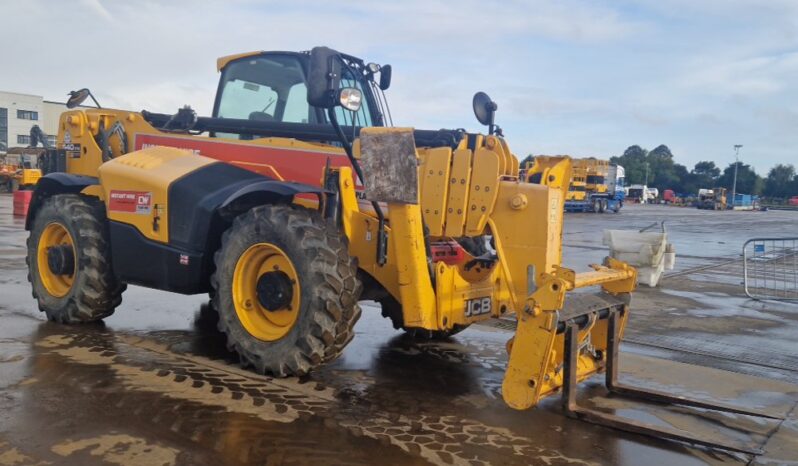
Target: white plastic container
{"points": [[669, 258], [645, 251]]}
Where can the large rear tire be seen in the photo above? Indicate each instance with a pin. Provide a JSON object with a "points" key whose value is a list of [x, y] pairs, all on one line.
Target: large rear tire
{"points": [[69, 261], [286, 290]]}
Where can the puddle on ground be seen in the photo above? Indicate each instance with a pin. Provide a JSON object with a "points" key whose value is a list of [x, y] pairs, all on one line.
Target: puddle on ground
{"points": [[127, 397]]}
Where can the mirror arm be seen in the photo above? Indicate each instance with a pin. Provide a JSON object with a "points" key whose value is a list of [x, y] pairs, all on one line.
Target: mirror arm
{"points": [[95, 100], [382, 238], [344, 142], [492, 126]]}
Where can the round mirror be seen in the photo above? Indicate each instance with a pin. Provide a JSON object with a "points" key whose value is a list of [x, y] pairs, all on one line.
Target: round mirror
{"points": [[77, 97], [484, 108]]}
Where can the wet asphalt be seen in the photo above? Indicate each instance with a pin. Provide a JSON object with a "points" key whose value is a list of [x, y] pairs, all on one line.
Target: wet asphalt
{"points": [[154, 384]]}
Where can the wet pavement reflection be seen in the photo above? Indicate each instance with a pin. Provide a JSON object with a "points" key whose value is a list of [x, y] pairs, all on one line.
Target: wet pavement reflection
{"points": [[180, 393], [155, 384]]}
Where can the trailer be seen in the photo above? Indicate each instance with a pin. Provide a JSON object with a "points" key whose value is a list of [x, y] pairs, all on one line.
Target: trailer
{"points": [[596, 186]]}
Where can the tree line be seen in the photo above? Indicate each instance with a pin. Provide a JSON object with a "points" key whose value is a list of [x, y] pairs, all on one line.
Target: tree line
{"points": [[663, 173]]}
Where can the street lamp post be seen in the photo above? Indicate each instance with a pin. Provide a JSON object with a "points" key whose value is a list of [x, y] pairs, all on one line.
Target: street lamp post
{"points": [[736, 162]]}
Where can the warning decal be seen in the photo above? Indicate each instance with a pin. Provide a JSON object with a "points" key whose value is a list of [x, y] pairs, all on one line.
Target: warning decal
{"points": [[133, 202]]}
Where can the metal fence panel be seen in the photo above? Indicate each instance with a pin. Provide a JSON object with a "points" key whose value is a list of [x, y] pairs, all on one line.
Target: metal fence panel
{"points": [[770, 268]]}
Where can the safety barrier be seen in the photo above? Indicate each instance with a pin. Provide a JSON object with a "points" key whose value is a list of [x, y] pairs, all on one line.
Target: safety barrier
{"points": [[770, 268]]}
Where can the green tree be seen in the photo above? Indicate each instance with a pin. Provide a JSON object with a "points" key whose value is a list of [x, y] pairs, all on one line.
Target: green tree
{"points": [[748, 182], [704, 175], [663, 172], [633, 161], [706, 168], [684, 179], [780, 180]]}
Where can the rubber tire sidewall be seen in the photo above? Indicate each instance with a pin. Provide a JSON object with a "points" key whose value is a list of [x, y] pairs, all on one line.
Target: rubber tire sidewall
{"points": [[306, 345], [63, 210]]}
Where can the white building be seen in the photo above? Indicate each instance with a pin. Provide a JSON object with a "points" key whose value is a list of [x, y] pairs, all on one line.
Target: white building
{"points": [[19, 112]]}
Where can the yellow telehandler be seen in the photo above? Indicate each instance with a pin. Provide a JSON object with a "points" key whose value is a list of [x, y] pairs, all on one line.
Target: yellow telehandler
{"points": [[297, 198]]}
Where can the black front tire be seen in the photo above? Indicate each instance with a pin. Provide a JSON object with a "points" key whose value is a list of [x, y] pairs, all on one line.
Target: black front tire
{"points": [[95, 292], [329, 287]]}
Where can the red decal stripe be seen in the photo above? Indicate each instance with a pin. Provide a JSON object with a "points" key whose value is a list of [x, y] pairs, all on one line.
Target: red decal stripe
{"points": [[298, 165]]}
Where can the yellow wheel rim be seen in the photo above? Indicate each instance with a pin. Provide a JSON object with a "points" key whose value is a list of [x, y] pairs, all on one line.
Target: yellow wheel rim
{"points": [[55, 234], [266, 314]]}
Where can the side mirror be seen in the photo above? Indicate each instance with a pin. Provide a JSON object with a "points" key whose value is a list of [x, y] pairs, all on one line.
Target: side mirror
{"points": [[77, 97], [484, 108], [385, 77], [324, 77]]}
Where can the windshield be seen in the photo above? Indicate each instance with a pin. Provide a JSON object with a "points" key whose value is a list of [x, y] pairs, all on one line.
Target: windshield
{"points": [[271, 88], [265, 88]]}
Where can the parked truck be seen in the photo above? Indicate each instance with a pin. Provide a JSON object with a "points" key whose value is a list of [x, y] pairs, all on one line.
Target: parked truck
{"points": [[19, 169], [712, 199], [596, 186], [637, 193]]}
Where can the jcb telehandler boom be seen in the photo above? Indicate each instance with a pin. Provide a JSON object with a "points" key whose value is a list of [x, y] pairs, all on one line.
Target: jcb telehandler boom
{"points": [[303, 201]]}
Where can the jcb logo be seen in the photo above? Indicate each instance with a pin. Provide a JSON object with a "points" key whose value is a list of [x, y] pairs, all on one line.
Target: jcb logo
{"points": [[477, 306]]}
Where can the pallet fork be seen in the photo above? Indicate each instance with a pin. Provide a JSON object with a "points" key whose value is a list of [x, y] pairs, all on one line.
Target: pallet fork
{"points": [[614, 387]]}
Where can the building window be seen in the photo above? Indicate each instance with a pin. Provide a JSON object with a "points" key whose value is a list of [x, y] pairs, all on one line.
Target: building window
{"points": [[51, 141], [3, 129], [27, 115], [22, 139]]}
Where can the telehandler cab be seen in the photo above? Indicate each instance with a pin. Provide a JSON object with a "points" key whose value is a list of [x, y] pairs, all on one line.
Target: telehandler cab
{"points": [[303, 200]]}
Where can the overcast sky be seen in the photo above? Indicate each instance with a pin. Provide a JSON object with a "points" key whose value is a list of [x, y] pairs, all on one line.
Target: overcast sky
{"points": [[586, 78]]}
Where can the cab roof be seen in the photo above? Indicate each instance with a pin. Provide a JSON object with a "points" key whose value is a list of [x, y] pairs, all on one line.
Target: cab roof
{"points": [[223, 61]]}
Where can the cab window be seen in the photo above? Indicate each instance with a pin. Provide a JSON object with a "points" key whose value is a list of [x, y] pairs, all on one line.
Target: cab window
{"points": [[265, 88]]}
